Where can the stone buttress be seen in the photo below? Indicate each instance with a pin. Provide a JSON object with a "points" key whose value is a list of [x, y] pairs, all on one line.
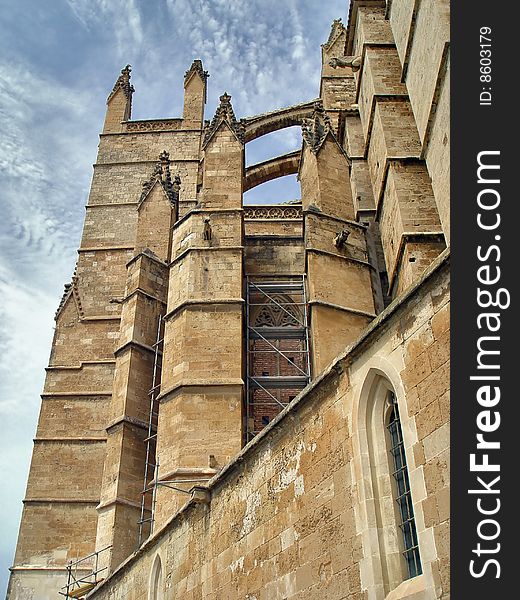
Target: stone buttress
{"points": [[200, 422]]}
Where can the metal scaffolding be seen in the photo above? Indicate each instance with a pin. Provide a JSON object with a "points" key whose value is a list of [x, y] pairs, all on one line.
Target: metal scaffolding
{"points": [[277, 325], [83, 575], [149, 493]]}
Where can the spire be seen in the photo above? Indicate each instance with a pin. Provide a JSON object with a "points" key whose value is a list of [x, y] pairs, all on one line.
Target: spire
{"points": [[336, 30], [225, 113], [196, 67], [316, 129], [162, 174], [123, 83], [119, 103]]}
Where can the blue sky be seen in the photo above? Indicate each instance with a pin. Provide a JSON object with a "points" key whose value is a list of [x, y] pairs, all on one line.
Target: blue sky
{"points": [[58, 61]]}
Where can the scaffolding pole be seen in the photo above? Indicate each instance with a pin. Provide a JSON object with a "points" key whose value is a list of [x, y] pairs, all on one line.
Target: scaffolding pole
{"points": [[151, 466], [83, 575], [287, 298]]}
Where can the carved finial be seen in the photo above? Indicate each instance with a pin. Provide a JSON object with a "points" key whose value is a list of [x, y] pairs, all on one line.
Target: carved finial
{"points": [[225, 113], [225, 98], [123, 82], [161, 173], [337, 28], [196, 67], [315, 129]]}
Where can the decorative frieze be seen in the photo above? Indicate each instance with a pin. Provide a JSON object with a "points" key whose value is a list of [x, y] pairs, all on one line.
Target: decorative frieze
{"points": [[154, 125], [272, 212]]}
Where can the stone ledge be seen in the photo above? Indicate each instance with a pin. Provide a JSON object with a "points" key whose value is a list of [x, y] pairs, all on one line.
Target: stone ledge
{"points": [[125, 419], [358, 261], [73, 440], [201, 302], [120, 501], [342, 308], [133, 344], [61, 500], [55, 394], [184, 253], [204, 384], [80, 366]]}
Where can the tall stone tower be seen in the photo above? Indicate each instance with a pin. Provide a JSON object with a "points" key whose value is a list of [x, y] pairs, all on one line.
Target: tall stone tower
{"points": [[188, 419]]}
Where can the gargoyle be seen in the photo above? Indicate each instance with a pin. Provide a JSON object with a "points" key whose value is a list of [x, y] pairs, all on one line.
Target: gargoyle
{"points": [[340, 239], [206, 232], [346, 61]]}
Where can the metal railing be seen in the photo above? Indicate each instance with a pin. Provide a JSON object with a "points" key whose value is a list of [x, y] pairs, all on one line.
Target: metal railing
{"points": [[83, 575]]}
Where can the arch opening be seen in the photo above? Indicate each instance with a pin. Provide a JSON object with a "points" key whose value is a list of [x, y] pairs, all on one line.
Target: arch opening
{"points": [[273, 144], [281, 190]]}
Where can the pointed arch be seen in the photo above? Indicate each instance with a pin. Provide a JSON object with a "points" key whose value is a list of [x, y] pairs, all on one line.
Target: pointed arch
{"points": [[156, 585], [255, 127], [380, 417], [281, 311]]}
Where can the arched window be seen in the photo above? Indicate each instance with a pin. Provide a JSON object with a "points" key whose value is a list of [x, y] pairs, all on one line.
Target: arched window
{"points": [[156, 591], [387, 512], [401, 485]]}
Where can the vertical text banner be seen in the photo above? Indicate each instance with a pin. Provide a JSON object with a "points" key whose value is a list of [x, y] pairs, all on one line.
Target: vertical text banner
{"points": [[485, 241]]}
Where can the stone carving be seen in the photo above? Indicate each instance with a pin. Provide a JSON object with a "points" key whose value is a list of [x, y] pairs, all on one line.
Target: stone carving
{"points": [[71, 289], [225, 113], [161, 173], [207, 232], [316, 129], [340, 240], [272, 315], [123, 83], [336, 30], [154, 125], [272, 212], [196, 67], [346, 61]]}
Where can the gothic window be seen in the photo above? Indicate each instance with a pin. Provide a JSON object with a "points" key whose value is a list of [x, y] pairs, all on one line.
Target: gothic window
{"points": [[391, 534], [402, 493], [156, 581], [283, 314]]}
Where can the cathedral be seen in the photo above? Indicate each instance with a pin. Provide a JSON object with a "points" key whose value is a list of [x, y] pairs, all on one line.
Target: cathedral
{"points": [[252, 401]]}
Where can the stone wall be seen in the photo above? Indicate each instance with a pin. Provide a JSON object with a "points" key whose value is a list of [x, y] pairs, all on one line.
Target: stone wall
{"points": [[293, 515]]}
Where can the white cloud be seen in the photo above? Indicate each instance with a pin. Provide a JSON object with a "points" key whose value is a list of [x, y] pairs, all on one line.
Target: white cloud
{"points": [[122, 17]]}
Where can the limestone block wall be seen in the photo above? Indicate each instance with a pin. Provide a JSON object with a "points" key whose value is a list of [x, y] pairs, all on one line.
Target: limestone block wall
{"points": [[391, 141], [370, 26], [200, 416], [71, 448], [120, 504], [294, 515], [341, 301], [274, 255], [421, 31]]}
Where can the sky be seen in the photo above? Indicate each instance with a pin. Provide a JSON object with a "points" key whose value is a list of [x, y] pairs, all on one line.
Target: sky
{"points": [[59, 60]]}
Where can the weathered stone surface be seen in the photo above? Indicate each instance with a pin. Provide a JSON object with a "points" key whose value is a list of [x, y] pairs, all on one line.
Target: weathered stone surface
{"points": [[307, 508]]}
